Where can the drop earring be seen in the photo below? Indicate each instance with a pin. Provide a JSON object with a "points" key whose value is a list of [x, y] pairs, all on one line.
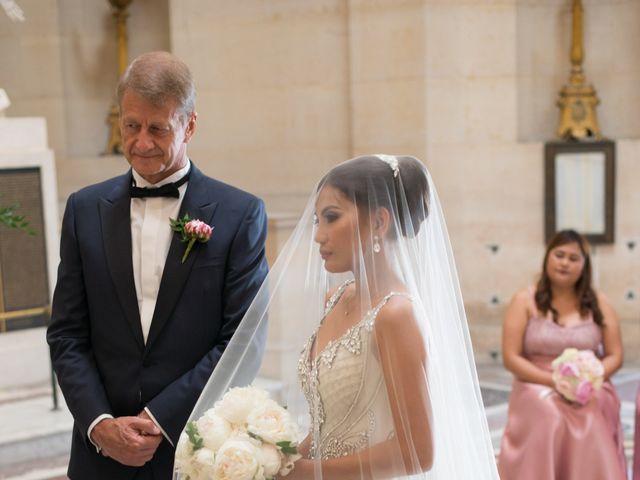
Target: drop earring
{"points": [[376, 244]]}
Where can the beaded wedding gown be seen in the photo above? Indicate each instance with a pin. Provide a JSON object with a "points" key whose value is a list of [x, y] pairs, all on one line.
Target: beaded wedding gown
{"points": [[373, 232], [344, 386]]}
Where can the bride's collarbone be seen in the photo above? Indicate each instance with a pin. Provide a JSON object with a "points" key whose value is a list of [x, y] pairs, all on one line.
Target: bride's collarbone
{"points": [[335, 325]]}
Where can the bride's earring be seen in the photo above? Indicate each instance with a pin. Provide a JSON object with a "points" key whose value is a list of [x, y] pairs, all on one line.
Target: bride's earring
{"points": [[376, 244]]}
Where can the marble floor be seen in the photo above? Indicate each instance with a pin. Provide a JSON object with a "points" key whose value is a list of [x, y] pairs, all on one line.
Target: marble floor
{"points": [[34, 439]]}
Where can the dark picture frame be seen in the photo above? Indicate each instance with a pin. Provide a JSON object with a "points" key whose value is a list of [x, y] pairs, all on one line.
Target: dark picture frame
{"points": [[580, 189]]}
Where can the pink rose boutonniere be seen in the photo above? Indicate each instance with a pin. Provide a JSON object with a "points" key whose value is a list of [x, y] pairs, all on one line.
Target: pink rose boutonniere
{"points": [[191, 231]]}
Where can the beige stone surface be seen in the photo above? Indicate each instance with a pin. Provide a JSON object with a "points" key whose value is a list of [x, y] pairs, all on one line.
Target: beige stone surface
{"points": [[30, 66], [287, 89], [272, 91], [470, 39], [543, 43], [90, 64], [388, 90], [389, 123]]}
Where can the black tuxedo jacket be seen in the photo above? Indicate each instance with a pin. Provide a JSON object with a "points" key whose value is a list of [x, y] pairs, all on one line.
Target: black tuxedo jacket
{"points": [[95, 336]]}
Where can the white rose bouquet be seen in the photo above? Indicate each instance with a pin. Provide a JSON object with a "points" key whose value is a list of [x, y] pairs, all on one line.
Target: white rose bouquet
{"points": [[244, 436]]}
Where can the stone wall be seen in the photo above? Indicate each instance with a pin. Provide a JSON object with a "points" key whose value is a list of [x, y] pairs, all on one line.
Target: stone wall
{"points": [[289, 88]]}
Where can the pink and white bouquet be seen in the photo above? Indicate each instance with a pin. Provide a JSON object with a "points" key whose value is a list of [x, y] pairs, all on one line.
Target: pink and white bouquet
{"points": [[577, 374], [245, 436]]}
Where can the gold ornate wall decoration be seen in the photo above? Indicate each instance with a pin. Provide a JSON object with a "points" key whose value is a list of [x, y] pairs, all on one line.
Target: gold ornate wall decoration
{"points": [[578, 99], [114, 144]]}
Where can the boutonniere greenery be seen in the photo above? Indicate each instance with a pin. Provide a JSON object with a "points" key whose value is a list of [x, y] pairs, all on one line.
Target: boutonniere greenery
{"points": [[191, 231]]}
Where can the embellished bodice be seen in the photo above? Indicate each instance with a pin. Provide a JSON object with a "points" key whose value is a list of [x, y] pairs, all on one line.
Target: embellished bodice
{"points": [[344, 387]]}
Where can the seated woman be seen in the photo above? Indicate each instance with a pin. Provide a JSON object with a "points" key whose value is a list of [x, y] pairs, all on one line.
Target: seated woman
{"points": [[548, 437]]}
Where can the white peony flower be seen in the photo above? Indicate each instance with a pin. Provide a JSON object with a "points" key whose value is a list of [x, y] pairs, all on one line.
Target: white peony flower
{"points": [[202, 465], [213, 429], [272, 423], [238, 402], [270, 459], [238, 459], [184, 450], [239, 438]]}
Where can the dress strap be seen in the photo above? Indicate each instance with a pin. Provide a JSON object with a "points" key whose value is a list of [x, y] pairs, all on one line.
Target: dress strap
{"points": [[532, 303], [336, 296], [373, 313]]}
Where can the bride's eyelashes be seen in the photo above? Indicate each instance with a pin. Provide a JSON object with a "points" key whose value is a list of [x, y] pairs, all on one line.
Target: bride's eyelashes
{"points": [[330, 217], [327, 216]]}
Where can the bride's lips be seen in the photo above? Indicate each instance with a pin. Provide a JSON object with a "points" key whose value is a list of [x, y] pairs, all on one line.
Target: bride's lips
{"points": [[324, 254]]}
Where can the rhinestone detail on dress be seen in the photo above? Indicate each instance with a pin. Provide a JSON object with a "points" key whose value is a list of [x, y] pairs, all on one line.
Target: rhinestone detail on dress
{"points": [[309, 370]]}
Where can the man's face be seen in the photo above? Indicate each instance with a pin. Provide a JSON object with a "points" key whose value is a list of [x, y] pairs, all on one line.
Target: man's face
{"points": [[154, 140]]}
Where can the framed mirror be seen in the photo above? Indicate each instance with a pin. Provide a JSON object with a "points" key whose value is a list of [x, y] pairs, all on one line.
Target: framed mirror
{"points": [[579, 189]]}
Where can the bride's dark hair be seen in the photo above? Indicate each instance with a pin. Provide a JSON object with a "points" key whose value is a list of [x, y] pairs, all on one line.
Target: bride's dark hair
{"points": [[371, 183]]}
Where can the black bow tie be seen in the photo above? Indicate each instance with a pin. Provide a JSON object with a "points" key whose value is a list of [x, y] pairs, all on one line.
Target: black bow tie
{"points": [[166, 190]]}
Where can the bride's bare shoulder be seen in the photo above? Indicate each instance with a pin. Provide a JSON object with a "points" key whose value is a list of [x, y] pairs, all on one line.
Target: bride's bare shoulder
{"points": [[397, 313], [398, 330]]}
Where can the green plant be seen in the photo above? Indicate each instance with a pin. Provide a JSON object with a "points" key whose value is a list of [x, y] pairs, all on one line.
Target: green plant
{"points": [[11, 219]]}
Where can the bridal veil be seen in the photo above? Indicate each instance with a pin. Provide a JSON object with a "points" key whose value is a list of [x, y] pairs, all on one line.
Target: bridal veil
{"points": [[360, 331]]}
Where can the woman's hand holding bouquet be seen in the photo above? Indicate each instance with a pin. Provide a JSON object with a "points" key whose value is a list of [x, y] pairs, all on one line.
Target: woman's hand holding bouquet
{"points": [[577, 374]]}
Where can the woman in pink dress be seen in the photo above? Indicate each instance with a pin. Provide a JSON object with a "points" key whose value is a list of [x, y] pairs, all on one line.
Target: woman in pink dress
{"points": [[548, 437]]}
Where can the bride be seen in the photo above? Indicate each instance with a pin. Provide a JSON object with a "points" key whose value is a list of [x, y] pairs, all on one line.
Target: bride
{"points": [[360, 331]]}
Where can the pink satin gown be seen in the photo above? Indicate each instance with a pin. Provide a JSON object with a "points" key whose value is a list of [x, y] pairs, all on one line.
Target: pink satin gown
{"points": [[548, 438]]}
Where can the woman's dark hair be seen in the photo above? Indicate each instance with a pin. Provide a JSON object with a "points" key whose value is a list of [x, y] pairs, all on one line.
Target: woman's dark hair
{"points": [[370, 183], [587, 299]]}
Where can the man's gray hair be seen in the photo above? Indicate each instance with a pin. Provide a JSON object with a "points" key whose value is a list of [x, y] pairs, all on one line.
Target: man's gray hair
{"points": [[158, 77]]}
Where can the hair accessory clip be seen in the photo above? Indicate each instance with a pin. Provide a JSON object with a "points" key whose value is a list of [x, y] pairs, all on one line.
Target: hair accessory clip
{"points": [[392, 161]]}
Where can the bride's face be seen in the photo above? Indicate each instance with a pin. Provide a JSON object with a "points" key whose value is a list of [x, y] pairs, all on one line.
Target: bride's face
{"points": [[337, 229]]}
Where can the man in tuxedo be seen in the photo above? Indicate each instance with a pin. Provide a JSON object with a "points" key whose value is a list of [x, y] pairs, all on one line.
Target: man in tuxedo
{"points": [[135, 331]]}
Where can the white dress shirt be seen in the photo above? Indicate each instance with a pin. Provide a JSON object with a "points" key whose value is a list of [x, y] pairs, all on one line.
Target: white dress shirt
{"points": [[151, 238], [150, 241]]}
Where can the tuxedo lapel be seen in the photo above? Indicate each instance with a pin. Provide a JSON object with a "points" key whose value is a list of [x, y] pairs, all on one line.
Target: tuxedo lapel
{"points": [[198, 205], [115, 217]]}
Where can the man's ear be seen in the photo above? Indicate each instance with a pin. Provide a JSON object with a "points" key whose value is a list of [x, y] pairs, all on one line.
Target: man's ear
{"points": [[191, 127]]}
